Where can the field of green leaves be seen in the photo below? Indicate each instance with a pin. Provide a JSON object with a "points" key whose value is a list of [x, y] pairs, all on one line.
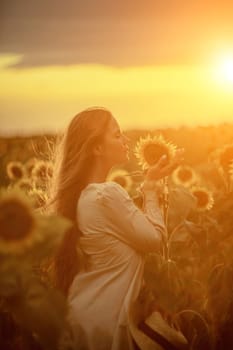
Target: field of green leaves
{"points": [[190, 280]]}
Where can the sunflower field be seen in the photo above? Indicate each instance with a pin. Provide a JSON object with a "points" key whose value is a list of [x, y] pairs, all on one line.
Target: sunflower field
{"points": [[190, 280]]}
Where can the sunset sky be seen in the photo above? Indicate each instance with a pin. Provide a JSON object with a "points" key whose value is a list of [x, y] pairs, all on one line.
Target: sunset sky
{"points": [[152, 63]]}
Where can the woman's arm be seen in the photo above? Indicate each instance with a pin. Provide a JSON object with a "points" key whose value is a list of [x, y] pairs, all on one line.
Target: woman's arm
{"points": [[142, 231]]}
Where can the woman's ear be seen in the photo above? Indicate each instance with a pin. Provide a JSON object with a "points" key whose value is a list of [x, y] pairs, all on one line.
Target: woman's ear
{"points": [[98, 150]]}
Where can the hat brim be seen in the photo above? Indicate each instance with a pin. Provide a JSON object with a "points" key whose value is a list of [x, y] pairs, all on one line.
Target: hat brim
{"points": [[154, 333]]}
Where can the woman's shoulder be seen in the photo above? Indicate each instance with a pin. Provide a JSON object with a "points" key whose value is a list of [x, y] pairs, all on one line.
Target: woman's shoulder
{"points": [[103, 187], [107, 190]]}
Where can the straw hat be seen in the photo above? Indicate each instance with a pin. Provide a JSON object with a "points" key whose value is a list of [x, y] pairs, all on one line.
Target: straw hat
{"points": [[153, 332]]}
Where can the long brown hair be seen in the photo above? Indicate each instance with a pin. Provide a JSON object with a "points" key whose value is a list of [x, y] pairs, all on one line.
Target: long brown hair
{"points": [[72, 165]]}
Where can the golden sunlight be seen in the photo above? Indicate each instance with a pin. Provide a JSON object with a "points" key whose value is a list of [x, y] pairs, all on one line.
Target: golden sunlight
{"points": [[224, 70], [145, 96]]}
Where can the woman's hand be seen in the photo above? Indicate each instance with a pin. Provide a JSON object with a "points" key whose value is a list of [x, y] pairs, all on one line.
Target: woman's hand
{"points": [[162, 168]]}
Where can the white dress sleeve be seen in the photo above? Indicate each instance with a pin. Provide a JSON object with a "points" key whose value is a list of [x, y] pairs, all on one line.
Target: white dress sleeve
{"points": [[141, 230]]}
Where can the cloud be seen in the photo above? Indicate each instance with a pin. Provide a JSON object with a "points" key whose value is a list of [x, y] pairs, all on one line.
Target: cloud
{"points": [[80, 9], [118, 34]]}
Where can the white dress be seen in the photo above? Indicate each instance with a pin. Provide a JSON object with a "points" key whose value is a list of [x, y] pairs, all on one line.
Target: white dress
{"points": [[116, 235]]}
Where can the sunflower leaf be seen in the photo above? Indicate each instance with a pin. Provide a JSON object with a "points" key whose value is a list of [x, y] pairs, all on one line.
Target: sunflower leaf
{"points": [[40, 310], [52, 230], [181, 203]]}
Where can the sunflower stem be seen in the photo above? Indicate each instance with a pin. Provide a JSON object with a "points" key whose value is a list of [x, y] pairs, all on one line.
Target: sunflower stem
{"points": [[165, 214]]}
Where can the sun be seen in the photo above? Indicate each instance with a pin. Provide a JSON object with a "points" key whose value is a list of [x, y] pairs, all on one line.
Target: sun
{"points": [[225, 68]]}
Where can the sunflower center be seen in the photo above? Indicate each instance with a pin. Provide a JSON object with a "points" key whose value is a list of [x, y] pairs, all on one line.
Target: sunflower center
{"points": [[120, 180], [152, 153], [202, 198], [42, 172], [184, 175], [16, 222], [17, 172]]}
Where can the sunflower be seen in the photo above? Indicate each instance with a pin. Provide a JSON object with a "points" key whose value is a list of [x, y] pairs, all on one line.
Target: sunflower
{"points": [[122, 177], [17, 221], [25, 184], [224, 157], [15, 170], [203, 196], [184, 175], [150, 149], [42, 171]]}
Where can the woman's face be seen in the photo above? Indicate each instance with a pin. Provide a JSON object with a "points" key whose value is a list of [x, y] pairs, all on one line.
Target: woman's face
{"points": [[115, 145]]}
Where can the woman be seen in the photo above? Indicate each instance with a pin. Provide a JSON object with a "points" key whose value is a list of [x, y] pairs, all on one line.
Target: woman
{"points": [[100, 263]]}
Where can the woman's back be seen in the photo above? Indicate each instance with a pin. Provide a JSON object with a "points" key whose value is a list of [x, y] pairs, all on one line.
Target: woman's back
{"points": [[99, 297]]}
